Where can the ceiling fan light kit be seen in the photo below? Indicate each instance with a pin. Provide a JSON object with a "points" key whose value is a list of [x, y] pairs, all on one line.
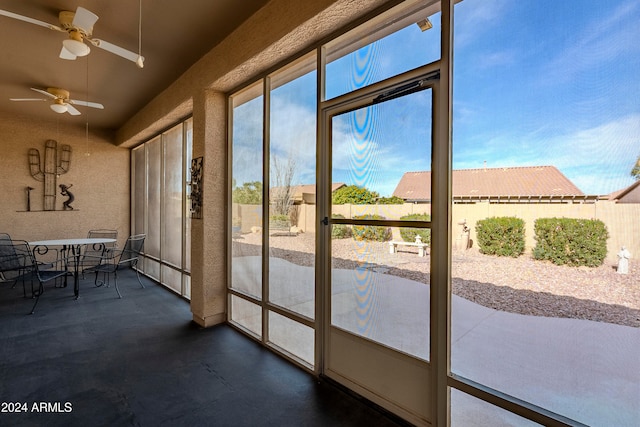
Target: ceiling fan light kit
{"points": [[75, 47], [59, 107]]}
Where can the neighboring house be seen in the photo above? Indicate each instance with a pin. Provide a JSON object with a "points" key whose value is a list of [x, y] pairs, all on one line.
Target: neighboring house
{"points": [[631, 194], [306, 193], [528, 184]]}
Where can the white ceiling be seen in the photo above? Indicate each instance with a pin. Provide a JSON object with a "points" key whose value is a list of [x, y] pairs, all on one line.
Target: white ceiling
{"points": [[175, 34]]}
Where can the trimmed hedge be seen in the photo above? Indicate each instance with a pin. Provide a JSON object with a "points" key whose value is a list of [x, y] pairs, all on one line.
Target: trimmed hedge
{"points": [[571, 241], [371, 232], [409, 234], [502, 236], [339, 231]]}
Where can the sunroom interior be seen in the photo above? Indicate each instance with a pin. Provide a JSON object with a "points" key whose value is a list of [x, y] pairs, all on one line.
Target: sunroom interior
{"points": [[204, 159]]}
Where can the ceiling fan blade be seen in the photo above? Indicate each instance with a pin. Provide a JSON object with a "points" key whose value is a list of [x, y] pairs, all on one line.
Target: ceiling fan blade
{"points": [[65, 54], [45, 93], [27, 99], [86, 103], [127, 54], [30, 20], [84, 19], [72, 110]]}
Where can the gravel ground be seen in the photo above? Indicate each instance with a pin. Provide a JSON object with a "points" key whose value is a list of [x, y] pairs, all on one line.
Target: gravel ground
{"points": [[518, 285]]}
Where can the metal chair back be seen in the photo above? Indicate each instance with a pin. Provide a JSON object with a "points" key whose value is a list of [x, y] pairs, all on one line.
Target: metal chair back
{"points": [[132, 250], [17, 257]]}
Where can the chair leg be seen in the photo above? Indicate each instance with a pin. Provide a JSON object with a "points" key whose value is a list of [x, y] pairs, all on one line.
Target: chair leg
{"points": [[40, 291], [115, 280], [138, 275], [104, 282], [134, 265], [24, 289]]}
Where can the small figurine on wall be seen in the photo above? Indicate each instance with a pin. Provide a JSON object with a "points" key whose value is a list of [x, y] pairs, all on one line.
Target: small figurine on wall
{"points": [[64, 190]]}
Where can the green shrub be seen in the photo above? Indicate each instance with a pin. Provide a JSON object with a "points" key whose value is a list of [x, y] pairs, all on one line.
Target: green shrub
{"points": [[250, 193], [393, 200], [502, 236], [340, 231], [354, 195], [409, 234], [279, 218], [371, 232], [571, 241]]}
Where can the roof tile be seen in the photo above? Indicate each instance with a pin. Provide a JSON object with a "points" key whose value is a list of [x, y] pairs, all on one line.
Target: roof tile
{"points": [[490, 182]]}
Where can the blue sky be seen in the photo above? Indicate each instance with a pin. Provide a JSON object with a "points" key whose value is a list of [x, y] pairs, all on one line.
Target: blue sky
{"points": [[549, 83], [542, 82]]}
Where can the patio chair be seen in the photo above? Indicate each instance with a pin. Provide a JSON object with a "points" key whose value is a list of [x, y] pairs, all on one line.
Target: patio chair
{"points": [[93, 254], [10, 262], [7, 276], [18, 261], [120, 258], [4, 237]]}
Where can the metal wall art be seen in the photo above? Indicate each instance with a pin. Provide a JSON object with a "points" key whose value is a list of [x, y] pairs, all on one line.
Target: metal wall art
{"points": [[56, 163], [64, 190], [196, 187]]}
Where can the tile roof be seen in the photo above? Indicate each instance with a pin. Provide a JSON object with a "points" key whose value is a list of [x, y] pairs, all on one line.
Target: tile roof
{"points": [[523, 181], [298, 190], [630, 194]]}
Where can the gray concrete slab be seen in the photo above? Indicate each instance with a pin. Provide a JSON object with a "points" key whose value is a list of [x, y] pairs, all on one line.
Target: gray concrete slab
{"points": [[585, 370]]}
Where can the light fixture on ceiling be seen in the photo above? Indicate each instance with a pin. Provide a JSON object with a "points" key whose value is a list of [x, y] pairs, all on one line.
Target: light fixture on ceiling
{"points": [[59, 106], [75, 45], [425, 24]]}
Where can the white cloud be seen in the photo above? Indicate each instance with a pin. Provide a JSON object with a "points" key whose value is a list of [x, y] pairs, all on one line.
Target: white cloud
{"points": [[597, 159], [604, 40], [293, 135], [475, 17], [496, 59]]}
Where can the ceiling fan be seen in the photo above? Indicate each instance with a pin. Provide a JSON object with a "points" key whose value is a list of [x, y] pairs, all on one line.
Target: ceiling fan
{"points": [[61, 101], [79, 26]]}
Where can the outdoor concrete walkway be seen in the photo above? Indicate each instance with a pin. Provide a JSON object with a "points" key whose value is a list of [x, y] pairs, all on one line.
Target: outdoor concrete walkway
{"points": [[585, 370]]}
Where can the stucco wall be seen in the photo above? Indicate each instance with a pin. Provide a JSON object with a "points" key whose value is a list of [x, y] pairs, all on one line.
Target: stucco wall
{"points": [[100, 182]]}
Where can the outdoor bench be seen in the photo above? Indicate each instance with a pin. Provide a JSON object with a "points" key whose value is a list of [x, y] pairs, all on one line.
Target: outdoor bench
{"points": [[422, 247]]}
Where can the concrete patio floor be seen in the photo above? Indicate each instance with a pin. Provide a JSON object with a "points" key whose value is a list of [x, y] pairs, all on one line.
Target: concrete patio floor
{"points": [[585, 370]]}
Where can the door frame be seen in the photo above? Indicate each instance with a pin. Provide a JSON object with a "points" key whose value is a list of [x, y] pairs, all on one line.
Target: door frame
{"points": [[411, 404]]}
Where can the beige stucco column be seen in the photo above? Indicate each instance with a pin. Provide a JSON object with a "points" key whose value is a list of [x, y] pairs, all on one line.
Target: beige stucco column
{"points": [[208, 239]]}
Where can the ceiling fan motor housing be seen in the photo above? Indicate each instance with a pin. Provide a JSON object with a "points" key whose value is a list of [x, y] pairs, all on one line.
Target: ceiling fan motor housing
{"points": [[66, 21], [58, 93]]}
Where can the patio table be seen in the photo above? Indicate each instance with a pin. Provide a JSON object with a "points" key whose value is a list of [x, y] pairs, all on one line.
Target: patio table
{"points": [[75, 246]]}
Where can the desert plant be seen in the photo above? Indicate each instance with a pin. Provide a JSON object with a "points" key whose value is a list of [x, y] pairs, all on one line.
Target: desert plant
{"points": [[279, 218], [571, 241], [409, 234], [340, 231], [249, 194], [393, 200], [371, 232], [502, 236], [354, 195]]}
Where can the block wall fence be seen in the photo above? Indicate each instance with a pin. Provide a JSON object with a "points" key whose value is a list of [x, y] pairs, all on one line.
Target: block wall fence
{"points": [[621, 219]]}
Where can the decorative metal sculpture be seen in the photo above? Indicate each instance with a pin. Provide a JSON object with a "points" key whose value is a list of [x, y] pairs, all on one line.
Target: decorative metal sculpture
{"points": [[196, 187], [64, 190], [52, 168], [29, 198]]}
